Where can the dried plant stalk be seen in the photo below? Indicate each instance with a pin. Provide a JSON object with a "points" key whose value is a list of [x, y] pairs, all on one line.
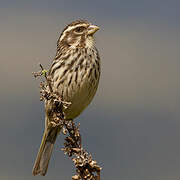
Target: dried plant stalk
{"points": [[86, 167]]}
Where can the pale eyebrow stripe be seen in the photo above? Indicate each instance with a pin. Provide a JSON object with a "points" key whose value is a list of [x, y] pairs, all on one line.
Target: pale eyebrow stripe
{"points": [[70, 28]]}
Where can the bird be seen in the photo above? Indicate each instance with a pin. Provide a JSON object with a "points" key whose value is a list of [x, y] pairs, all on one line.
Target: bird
{"points": [[75, 73]]}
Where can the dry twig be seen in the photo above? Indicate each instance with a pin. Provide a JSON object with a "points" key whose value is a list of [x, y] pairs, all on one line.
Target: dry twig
{"points": [[86, 167]]}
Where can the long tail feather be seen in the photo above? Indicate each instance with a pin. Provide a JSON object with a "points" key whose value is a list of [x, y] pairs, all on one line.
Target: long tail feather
{"points": [[45, 151]]}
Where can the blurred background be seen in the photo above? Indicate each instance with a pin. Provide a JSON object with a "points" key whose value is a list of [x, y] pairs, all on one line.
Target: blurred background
{"points": [[132, 128]]}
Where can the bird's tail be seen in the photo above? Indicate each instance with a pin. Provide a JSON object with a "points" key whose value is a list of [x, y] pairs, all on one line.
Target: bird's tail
{"points": [[45, 151]]}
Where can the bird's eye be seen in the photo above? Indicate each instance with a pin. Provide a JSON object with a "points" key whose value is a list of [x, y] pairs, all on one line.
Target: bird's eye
{"points": [[79, 29]]}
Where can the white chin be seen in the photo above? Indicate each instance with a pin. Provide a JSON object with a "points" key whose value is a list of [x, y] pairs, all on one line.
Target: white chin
{"points": [[89, 42]]}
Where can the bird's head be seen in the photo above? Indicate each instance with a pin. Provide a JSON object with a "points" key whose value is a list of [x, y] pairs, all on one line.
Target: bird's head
{"points": [[78, 34]]}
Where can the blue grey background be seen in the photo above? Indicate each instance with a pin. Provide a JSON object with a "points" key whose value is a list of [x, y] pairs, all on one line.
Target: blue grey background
{"points": [[132, 128]]}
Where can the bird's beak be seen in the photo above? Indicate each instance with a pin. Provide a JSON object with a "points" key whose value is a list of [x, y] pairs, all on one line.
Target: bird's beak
{"points": [[92, 29]]}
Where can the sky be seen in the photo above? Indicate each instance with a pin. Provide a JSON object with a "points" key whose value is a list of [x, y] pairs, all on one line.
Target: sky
{"points": [[132, 127]]}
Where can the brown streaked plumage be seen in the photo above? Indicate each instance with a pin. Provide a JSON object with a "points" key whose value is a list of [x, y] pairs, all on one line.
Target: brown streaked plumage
{"points": [[75, 72]]}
